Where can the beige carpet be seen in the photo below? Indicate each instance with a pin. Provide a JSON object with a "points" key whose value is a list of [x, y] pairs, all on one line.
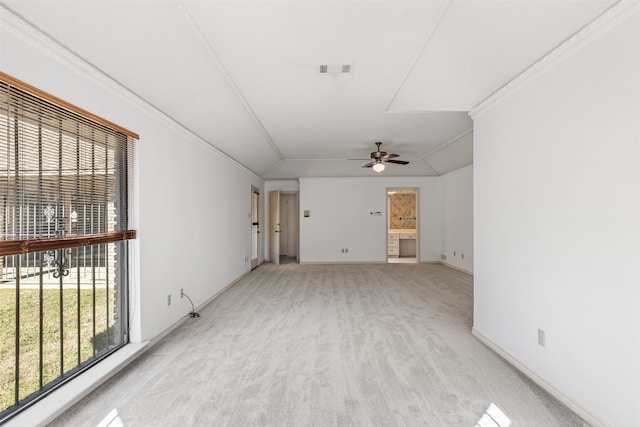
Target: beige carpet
{"points": [[325, 345]]}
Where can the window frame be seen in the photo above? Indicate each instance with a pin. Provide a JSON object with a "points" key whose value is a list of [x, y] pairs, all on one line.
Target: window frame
{"points": [[60, 243]]}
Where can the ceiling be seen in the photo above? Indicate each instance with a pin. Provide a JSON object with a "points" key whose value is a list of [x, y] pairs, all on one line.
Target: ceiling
{"points": [[244, 75]]}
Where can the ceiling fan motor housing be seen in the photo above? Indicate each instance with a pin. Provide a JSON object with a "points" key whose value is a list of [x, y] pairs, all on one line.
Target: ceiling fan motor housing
{"points": [[378, 154]]}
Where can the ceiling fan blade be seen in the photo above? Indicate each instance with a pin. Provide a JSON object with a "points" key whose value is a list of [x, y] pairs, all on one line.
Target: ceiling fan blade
{"points": [[368, 165], [399, 162], [390, 156]]}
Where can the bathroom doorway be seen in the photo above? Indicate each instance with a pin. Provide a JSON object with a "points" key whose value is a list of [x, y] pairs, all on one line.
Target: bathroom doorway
{"points": [[403, 243]]}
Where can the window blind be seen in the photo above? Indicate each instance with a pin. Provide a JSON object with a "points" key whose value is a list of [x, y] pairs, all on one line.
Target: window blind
{"points": [[65, 174]]}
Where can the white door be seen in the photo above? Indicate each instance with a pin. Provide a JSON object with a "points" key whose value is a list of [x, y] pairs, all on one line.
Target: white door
{"points": [[274, 227]]}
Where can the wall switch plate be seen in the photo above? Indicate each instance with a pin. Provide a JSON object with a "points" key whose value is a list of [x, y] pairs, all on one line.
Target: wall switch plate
{"points": [[541, 338]]}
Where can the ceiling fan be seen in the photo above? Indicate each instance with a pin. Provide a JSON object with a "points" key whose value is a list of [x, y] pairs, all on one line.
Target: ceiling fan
{"points": [[382, 157]]}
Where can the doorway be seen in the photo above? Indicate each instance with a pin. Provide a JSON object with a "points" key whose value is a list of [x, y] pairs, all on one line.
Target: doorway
{"points": [[283, 227], [402, 225], [288, 227], [255, 227]]}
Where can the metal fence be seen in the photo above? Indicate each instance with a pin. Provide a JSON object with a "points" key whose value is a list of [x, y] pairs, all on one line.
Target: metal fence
{"points": [[64, 309], [61, 312]]}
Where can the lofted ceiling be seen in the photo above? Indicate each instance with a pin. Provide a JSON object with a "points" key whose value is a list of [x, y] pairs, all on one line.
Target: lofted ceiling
{"points": [[244, 75]]}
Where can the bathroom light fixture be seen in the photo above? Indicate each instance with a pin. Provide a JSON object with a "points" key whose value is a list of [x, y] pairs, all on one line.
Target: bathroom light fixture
{"points": [[378, 167]]}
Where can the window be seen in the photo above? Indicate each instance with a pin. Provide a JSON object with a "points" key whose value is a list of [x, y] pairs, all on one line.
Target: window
{"points": [[65, 186]]}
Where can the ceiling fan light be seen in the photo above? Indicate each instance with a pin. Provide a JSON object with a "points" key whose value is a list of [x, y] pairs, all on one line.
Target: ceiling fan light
{"points": [[378, 167]]}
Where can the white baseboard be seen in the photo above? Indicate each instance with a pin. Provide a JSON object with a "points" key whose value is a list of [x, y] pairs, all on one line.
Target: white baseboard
{"points": [[340, 262], [446, 264], [582, 412], [47, 409], [59, 400], [462, 270], [220, 292]]}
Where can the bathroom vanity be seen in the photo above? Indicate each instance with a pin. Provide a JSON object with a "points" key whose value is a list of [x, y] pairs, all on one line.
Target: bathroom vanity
{"points": [[401, 242]]}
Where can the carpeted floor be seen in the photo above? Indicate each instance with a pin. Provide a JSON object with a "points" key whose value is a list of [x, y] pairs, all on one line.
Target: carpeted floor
{"points": [[325, 345]]}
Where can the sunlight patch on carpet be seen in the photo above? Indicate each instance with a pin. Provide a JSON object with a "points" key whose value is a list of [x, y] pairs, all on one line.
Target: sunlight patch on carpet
{"points": [[493, 417]]}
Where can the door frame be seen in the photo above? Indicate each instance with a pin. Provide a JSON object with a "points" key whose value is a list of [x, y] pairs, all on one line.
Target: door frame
{"points": [[269, 211], [388, 219], [254, 220], [274, 226], [293, 196]]}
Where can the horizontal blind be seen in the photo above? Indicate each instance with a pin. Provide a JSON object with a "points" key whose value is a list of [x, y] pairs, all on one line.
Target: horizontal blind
{"points": [[62, 175]]}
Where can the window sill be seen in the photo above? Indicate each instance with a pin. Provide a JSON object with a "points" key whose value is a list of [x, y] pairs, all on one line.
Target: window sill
{"points": [[55, 403]]}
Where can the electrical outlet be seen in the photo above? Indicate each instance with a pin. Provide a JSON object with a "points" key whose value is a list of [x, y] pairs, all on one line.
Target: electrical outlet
{"points": [[346, 250], [443, 257], [462, 255], [181, 293], [454, 253], [169, 299], [541, 338]]}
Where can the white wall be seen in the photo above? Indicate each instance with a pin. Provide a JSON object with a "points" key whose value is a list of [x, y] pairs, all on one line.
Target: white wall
{"points": [[340, 217], [557, 188], [193, 202], [288, 185], [203, 202], [457, 218]]}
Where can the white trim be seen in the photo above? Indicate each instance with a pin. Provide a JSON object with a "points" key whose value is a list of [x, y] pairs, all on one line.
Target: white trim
{"points": [[596, 28], [451, 266], [432, 26], [451, 141], [220, 292], [56, 402], [340, 262], [454, 267], [15, 24], [234, 87], [270, 169], [586, 415], [59, 400]]}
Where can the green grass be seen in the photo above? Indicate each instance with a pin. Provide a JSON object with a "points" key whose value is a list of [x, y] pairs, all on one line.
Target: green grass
{"points": [[29, 355]]}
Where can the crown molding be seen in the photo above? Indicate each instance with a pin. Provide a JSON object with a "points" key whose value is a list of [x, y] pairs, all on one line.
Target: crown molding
{"points": [[213, 54], [596, 28], [451, 141], [432, 26], [14, 23]]}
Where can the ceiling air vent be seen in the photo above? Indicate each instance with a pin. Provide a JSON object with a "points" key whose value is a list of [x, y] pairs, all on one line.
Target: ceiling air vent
{"points": [[335, 69]]}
